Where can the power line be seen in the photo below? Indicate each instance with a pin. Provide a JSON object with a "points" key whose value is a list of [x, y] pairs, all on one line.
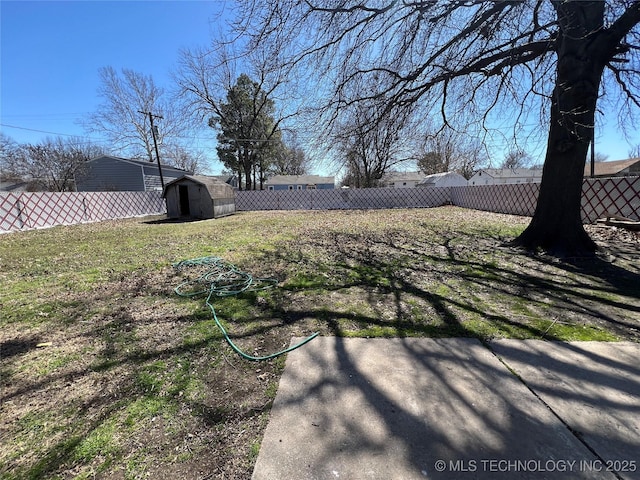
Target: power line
{"points": [[39, 131], [45, 115]]}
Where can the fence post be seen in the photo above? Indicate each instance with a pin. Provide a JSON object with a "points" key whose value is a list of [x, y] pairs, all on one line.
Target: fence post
{"points": [[84, 209], [23, 223], [24, 218]]}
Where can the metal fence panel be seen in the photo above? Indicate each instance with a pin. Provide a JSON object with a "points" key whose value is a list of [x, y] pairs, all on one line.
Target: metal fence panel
{"points": [[600, 197], [44, 209], [27, 210], [10, 212], [342, 199], [515, 199], [107, 205], [611, 196]]}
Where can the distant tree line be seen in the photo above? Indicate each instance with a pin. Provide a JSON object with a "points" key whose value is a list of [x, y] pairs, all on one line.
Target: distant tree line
{"points": [[49, 165]]}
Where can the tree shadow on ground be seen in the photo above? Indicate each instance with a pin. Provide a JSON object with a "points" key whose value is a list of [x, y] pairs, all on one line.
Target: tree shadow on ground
{"points": [[458, 284], [398, 406], [130, 361], [126, 342]]}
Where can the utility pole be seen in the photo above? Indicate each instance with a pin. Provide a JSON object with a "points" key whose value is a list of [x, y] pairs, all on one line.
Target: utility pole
{"points": [[155, 142], [593, 151]]}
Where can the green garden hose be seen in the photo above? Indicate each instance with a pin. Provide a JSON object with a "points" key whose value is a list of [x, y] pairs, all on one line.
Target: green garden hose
{"points": [[221, 279]]}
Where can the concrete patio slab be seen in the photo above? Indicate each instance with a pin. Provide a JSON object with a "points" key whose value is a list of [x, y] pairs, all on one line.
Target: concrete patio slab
{"points": [[413, 408], [593, 386]]}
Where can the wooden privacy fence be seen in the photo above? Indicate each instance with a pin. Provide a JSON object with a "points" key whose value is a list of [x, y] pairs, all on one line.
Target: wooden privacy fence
{"points": [[28, 210], [600, 197]]}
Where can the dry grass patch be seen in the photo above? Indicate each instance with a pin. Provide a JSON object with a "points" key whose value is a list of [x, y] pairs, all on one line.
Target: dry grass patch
{"points": [[106, 373]]}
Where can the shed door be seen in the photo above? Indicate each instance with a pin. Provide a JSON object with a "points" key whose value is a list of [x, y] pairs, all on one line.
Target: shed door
{"points": [[183, 193]]}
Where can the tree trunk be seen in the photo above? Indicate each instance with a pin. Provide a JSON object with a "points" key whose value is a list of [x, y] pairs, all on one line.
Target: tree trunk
{"points": [[557, 226], [246, 165]]}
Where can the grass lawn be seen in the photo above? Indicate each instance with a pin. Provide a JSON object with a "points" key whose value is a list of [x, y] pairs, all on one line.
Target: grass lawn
{"points": [[107, 373]]}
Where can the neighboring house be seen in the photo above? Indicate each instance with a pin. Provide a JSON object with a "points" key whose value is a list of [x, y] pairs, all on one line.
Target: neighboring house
{"points": [[228, 179], [199, 196], [299, 182], [107, 173], [617, 168], [446, 179], [501, 176], [401, 179], [13, 186]]}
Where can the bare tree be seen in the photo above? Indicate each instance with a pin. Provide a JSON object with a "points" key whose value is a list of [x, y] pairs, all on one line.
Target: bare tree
{"points": [[475, 58], [289, 160], [247, 108], [123, 115], [445, 150], [516, 158], [371, 144], [52, 164], [180, 157], [9, 149], [473, 156]]}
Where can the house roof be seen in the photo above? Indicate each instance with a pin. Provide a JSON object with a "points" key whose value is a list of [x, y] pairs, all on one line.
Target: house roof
{"points": [[434, 177], [13, 186], [402, 177], [223, 178], [299, 180], [603, 169], [143, 163], [511, 172]]}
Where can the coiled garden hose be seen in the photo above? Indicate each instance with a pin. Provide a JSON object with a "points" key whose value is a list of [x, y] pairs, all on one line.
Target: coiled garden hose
{"points": [[222, 279]]}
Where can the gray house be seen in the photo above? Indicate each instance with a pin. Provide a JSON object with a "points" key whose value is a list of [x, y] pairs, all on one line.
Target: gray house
{"points": [[13, 185], [299, 182], [199, 196], [109, 173]]}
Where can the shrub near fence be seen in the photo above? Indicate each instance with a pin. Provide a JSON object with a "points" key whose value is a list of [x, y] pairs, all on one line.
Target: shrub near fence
{"points": [[27, 210]]}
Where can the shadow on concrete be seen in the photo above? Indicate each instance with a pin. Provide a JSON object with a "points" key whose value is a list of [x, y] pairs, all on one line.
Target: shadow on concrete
{"points": [[433, 408]]}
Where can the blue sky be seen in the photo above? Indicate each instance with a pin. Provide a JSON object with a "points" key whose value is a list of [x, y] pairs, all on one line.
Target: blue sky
{"points": [[51, 52]]}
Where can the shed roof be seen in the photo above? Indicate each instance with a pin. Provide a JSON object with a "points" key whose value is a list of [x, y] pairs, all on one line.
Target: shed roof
{"points": [[216, 188], [602, 169], [13, 186]]}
